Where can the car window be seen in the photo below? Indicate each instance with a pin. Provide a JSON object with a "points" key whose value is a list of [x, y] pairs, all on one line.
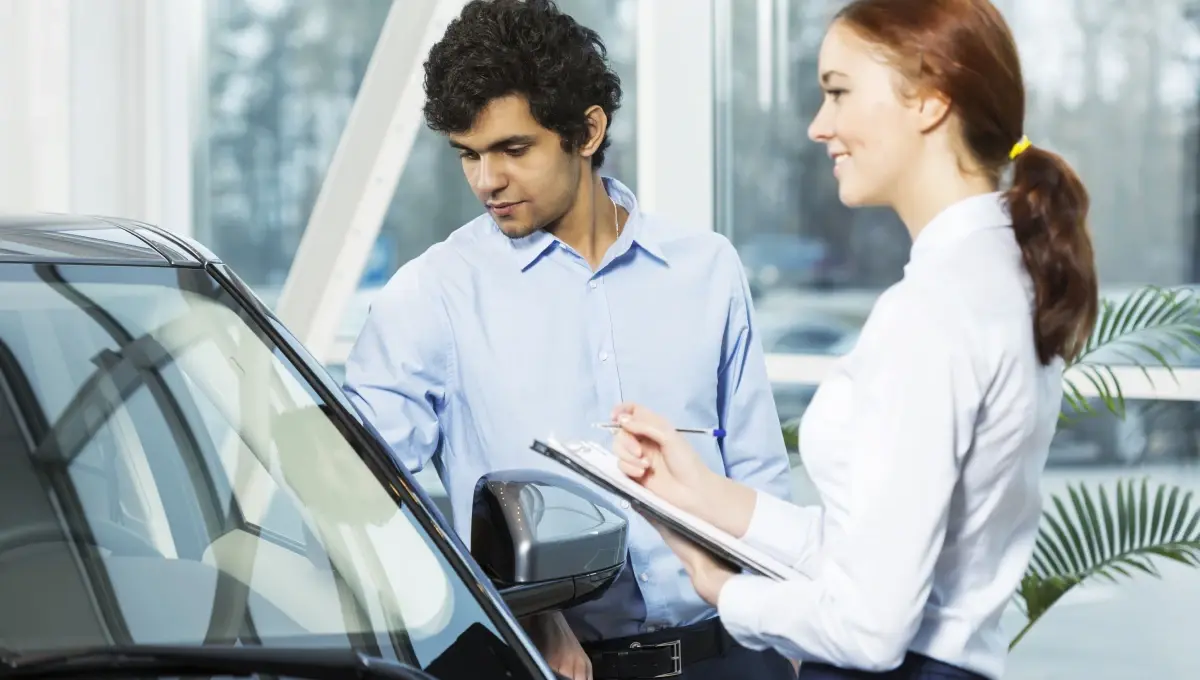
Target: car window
{"points": [[169, 477]]}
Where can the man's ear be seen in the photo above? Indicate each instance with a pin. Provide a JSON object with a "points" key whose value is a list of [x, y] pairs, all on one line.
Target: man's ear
{"points": [[597, 126]]}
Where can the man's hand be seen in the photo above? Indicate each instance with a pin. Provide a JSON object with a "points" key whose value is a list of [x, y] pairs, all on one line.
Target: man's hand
{"points": [[558, 644]]}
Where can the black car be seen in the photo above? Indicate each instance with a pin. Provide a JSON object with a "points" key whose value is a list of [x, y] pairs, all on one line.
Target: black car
{"points": [[185, 491]]}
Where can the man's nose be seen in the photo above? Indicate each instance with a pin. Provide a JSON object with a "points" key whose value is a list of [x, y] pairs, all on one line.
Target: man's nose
{"points": [[491, 177]]}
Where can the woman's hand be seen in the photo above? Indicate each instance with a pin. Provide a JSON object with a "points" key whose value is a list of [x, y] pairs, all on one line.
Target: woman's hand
{"points": [[652, 453], [708, 575]]}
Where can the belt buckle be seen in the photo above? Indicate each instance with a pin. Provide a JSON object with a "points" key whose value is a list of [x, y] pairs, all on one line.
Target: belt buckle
{"points": [[676, 650]]}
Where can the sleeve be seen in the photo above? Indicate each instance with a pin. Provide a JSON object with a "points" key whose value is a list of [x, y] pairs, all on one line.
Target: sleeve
{"points": [[913, 413], [789, 533], [753, 448], [399, 368]]}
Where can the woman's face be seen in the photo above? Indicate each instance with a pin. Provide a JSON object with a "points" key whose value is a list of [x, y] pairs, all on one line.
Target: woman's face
{"points": [[873, 133]]}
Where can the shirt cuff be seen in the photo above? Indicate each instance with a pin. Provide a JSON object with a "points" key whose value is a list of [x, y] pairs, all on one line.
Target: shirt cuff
{"points": [[740, 605], [772, 523]]}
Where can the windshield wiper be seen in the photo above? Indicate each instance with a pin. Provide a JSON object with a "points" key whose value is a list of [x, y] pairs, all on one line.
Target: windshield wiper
{"points": [[318, 664]]}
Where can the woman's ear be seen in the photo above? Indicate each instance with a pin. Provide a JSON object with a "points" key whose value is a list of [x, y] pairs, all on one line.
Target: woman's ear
{"points": [[932, 110]]}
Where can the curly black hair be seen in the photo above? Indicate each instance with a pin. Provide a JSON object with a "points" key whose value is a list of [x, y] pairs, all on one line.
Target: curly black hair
{"points": [[496, 48]]}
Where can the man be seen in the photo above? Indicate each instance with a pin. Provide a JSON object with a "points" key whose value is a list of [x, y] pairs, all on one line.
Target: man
{"points": [[520, 324]]}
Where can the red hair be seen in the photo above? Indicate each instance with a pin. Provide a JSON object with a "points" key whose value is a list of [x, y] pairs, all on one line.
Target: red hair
{"points": [[964, 50]]}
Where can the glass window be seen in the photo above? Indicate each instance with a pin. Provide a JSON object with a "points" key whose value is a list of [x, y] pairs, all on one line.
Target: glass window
{"points": [[281, 79], [777, 197], [1115, 90], [149, 425], [282, 76]]}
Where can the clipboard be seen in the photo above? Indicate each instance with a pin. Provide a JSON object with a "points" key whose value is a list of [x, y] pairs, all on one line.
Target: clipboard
{"points": [[599, 465]]}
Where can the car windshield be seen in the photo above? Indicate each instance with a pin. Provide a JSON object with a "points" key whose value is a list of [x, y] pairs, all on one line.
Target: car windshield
{"points": [[167, 476]]}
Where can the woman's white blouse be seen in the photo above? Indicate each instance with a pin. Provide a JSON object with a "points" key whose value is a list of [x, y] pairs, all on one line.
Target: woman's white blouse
{"points": [[926, 443]]}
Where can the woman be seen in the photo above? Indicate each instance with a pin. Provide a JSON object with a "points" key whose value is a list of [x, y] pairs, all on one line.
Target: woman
{"points": [[927, 441]]}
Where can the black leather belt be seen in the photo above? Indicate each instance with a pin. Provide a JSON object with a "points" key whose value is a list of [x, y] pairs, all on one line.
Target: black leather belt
{"points": [[661, 654]]}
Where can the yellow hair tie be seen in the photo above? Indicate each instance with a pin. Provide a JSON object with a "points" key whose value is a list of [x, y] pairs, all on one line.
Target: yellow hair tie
{"points": [[1019, 148]]}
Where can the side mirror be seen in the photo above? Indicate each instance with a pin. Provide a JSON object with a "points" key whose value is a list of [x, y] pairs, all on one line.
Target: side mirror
{"points": [[547, 542]]}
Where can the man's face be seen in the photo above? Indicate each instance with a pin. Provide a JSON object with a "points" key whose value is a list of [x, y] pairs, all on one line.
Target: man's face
{"points": [[517, 168]]}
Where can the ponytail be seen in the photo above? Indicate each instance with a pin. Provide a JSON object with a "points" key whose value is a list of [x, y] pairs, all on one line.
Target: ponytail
{"points": [[1049, 205]]}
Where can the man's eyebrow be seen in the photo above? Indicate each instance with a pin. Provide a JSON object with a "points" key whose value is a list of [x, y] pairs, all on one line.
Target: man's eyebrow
{"points": [[826, 76], [513, 140]]}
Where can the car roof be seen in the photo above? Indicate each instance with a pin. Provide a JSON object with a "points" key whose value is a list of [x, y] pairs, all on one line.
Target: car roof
{"points": [[83, 239]]}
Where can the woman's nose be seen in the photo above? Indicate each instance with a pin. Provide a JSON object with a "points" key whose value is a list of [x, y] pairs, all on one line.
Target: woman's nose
{"points": [[821, 128]]}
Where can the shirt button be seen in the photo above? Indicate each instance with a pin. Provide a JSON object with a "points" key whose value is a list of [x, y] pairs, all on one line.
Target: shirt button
{"points": [[645, 577], [604, 356], [625, 504], [593, 285]]}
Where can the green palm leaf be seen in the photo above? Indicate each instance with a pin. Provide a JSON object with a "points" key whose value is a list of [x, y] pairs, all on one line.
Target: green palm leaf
{"points": [[791, 434], [1152, 326], [1086, 536]]}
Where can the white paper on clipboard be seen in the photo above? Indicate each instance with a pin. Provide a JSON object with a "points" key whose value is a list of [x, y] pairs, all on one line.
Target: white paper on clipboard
{"points": [[600, 466]]}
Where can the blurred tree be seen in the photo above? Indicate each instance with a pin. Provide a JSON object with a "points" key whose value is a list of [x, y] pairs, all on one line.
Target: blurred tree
{"points": [[282, 75]]}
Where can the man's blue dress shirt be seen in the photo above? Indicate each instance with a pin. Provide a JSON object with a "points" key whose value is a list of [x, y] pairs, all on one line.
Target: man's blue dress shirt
{"points": [[483, 343]]}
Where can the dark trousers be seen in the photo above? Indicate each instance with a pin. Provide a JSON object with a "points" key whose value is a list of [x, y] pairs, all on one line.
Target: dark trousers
{"points": [[915, 667], [740, 663]]}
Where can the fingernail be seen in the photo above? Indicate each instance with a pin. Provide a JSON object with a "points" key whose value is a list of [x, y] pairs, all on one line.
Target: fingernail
{"points": [[623, 418]]}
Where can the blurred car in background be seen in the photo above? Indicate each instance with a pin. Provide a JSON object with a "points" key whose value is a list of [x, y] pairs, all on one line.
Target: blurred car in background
{"points": [[783, 261], [827, 324]]}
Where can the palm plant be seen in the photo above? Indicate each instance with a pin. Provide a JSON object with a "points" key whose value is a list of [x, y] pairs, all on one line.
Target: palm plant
{"points": [[1092, 534], [1086, 535]]}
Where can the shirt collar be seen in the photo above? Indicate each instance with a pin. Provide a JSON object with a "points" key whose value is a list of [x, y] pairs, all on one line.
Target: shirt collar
{"points": [[976, 213], [528, 249]]}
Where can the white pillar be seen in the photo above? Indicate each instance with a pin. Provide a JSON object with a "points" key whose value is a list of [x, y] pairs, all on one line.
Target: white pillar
{"points": [[675, 110]]}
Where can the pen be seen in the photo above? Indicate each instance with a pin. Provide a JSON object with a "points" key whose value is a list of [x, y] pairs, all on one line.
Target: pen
{"points": [[715, 432]]}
